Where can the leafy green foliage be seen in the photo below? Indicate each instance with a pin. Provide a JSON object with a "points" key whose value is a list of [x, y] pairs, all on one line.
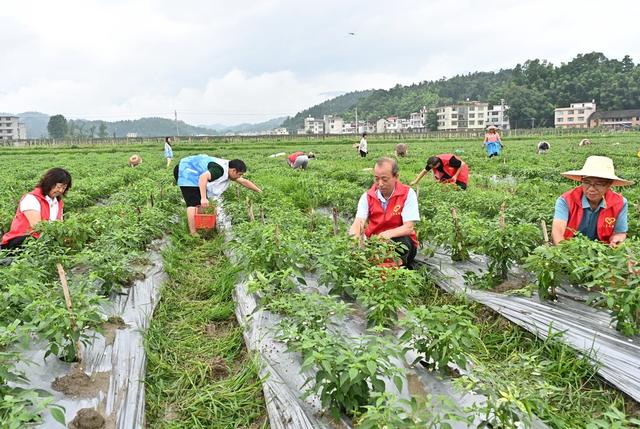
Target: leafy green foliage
{"points": [[441, 334]]}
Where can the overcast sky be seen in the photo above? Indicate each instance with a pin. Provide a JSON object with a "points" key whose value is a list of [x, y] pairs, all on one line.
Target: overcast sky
{"points": [[247, 61]]}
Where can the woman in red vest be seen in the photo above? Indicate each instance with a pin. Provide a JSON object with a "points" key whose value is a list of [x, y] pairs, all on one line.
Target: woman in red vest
{"points": [[447, 168], [299, 160], [44, 203], [592, 208]]}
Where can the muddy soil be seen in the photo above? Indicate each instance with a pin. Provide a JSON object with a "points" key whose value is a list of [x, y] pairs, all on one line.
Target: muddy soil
{"points": [[78, 384]]}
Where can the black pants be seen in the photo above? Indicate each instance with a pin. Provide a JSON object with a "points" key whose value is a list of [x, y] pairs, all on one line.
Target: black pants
{"points": [[14, 243], [363, 154], [408, 252]]}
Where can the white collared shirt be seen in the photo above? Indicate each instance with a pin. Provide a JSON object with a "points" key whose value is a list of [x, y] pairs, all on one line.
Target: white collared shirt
{"points": [[30, 202], [410, 211]]}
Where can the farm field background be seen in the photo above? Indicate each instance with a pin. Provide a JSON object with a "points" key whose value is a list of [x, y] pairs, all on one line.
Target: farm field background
{"points": [[198, 373]]}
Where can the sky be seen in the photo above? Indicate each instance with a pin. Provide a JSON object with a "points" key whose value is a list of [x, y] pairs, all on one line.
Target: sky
{"points": [[230, 62]]}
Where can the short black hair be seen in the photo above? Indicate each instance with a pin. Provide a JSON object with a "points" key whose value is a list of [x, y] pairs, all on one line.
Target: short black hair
{"points": [[238, 165], [52, 177], [168, 140]]}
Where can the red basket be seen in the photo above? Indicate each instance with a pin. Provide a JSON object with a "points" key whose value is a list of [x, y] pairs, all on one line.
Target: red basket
{"points": [[204, 220]]}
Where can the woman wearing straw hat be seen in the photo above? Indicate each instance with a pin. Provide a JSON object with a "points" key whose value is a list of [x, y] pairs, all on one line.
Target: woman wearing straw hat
{"points": [[492, 141], [592, 208]]}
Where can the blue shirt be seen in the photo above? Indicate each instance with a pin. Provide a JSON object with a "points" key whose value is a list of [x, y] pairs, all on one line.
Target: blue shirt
{"points": [[410, 211], [589, 223]]}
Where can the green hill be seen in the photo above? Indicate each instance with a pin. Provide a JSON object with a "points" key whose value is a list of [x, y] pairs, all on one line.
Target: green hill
{"points": [[532, 90]]}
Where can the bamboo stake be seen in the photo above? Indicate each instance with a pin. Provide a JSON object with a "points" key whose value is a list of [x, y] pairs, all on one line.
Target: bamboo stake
{"points": [[336, 230], [67, 300], [252, 217], [503, 223], [545, 233]]}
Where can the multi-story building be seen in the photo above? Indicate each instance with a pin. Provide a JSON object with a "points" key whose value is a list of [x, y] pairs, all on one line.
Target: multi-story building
{"points": [[381, 125], [333, 124], [12, 129], [498, 116], [575, 116], [615, 119], [470, 115], [313, 126], [282, 131]]}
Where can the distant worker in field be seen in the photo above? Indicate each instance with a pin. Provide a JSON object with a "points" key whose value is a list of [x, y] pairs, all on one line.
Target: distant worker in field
{"points": [[135, 160], [168, 150], [543, 147], [592, 208], [44, 203], [492, 141], [363, 147], [203, 176], [299, 160], [391, 209], [584, 142], [402, 150], [447, 168]]}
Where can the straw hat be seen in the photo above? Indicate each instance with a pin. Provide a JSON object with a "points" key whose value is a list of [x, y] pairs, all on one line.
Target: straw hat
{"points": [[492, 127], [135, 160], [597, 166]]}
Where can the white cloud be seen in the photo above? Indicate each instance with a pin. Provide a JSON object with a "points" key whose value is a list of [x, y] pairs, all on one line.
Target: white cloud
{"points": [[216, 61]]}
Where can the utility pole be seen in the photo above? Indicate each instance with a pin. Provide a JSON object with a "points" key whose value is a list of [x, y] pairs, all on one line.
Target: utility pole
{"points": [[502, 121], [175, 118], [533, 122], [357, 130]]}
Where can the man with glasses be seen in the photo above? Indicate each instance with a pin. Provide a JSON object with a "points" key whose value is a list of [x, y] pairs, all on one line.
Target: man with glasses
{"points": [[592, 208]]}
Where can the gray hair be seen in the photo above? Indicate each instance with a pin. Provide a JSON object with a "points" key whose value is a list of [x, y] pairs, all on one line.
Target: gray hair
{"points": [[394, 164]]}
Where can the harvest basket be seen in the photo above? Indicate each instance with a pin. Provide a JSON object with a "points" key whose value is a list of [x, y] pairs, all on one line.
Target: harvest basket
{"points": [[205, 217]]}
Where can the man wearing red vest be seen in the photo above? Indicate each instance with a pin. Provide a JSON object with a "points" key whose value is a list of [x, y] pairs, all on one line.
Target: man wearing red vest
{"points": [[592, 208], [44, 203], [447, 168], [391, 209]]}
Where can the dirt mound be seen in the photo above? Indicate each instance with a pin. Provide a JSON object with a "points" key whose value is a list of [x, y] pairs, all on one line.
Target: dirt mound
{"points": [[77, 383], [218, 368], [87, 418], [117, 322]]}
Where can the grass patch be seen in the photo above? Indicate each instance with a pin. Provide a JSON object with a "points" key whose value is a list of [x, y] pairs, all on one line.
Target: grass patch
{"points": [[198, 372]]}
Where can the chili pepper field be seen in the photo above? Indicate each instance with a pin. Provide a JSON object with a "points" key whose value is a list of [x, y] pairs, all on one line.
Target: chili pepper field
{"points": [[279, 319]]}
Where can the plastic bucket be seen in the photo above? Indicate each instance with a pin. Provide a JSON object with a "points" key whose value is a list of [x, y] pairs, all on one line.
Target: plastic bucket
{"points": [[204, 220]]}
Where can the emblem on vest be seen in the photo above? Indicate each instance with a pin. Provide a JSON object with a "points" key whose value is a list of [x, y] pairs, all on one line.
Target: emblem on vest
{"points": [[610, 221], [396, 210]]}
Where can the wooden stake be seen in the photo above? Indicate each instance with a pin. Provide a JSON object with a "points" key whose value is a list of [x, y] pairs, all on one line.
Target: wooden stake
{"points": [[503, 223], [418, 192], [67, 300], [252, 217], [336, 230], [545, 233], [238, 192]]}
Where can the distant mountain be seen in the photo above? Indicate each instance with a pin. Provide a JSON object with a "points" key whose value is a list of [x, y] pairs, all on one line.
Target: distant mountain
{"points": [[336, 106], [248, 128], [532, 90], [144, 127]]}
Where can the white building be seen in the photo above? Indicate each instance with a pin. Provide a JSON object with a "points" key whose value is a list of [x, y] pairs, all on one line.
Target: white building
{"points": [[11, 128], [333, 124], [282, 131], [575, 116], [498, 115], [313, 126], [381, 125], [132, 135], [470, 115]]}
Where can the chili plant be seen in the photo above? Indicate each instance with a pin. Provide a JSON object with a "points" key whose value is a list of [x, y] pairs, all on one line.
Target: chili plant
{"points": [[349, 370], [441, 334], [383, 291]]}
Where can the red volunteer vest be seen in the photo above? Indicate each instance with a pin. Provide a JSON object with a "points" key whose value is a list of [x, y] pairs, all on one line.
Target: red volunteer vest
{"points": [[445, 158], [293, 156], [606, 217], [381, 220], [20, 225]]}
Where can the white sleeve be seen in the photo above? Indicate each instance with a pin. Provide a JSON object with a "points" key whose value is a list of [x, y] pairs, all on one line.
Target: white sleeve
{"points": [[29, 202], [410, 211], [363, 207]]}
